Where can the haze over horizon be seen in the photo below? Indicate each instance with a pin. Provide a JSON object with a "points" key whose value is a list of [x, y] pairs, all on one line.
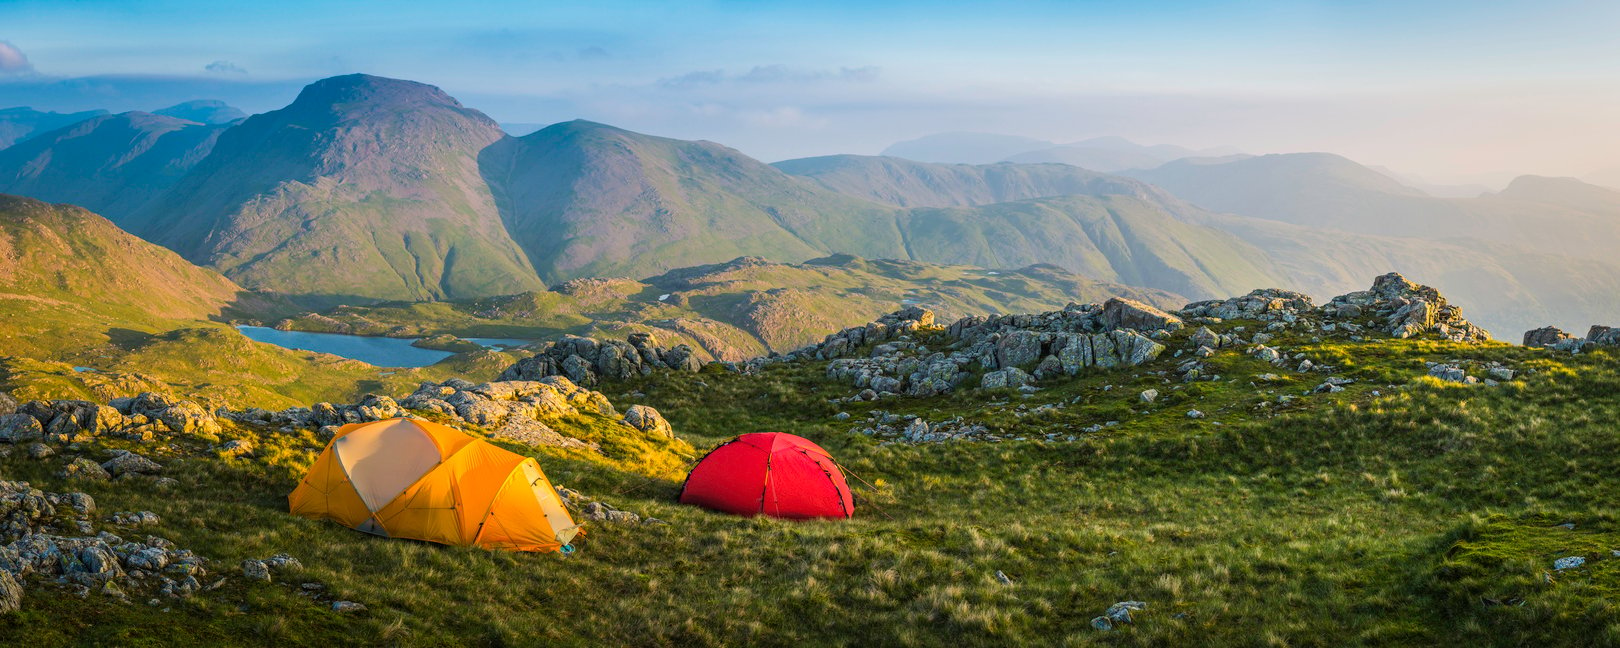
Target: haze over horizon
{"points": [[1449, 91]]}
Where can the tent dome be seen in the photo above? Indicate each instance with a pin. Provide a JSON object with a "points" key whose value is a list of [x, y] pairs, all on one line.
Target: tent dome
{"points": [[410, 478], [770, 473]]}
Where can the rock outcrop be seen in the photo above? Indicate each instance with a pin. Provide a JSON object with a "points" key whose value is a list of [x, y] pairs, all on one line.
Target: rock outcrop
{"points": [[1265, 304], [587, 361], [1011, 350], [1405, 309], [1550, 337], [142, 418]]}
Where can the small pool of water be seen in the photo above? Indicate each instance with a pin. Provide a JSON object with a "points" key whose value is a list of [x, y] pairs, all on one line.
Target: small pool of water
{"points": [[379, 351], [84, 369]]}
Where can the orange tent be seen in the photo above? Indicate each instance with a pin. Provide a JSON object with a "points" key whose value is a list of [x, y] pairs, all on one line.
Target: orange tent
{"points": [[410, 478]]}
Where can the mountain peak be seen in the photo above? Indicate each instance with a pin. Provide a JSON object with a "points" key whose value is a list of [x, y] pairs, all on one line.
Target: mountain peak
{"points": [[361, 93], [1569, 192], [203, 111]]}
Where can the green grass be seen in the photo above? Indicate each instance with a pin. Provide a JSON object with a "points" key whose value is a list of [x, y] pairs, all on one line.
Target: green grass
{"points": [[1340, 519]]}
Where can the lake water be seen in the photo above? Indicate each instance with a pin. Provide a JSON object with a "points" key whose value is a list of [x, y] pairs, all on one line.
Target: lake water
{"points": [[379, 351]]}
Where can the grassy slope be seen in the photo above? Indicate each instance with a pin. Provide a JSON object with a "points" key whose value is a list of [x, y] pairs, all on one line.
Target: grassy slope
{"points": [[737, 310], [219, 365], [69, 278], [1348, 518]]}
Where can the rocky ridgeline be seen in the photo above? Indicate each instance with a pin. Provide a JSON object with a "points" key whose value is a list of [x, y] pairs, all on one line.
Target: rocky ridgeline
{"points": [[1556, 339], [1011, 350], [1014, 351], [50, 538], [1394, 306], [516, 410], [587, 361]]}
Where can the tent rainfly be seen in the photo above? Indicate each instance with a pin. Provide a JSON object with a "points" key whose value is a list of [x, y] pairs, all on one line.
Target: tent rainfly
{"points": [[411, 478], [770, 473]]}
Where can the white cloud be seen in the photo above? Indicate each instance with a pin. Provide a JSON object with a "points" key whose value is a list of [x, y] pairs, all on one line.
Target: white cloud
{"points": [[762, 74], [224, 67], [13, 60]]}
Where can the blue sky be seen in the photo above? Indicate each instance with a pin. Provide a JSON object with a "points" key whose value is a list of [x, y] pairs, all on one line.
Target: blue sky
{"points": [[1449, 90]]}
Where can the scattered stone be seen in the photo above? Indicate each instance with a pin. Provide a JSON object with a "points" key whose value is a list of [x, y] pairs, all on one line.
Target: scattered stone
{"points": [[347, 606], [1448, 372], [130, 463], [255, 570], [236, 448], [1002, 578], [1195, 414], [135, 518], [1121, 612], [1568, 562], [1149, 395], [603, 512], [82, 468], [1102, 623], [647, 419]]}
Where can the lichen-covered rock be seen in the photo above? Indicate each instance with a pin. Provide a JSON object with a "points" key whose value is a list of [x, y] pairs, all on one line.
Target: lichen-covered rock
{"points": [[190, 419], [11, 593], [83, 468], [647, 419], [129, 463], [20, 428], [1004, 378], [1121, 313], [255, 570], [236, 448]]}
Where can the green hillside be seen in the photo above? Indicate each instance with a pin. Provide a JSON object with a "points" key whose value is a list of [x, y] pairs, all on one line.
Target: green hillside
{"points": [[363, 187], [70, 278], [585, 199]]}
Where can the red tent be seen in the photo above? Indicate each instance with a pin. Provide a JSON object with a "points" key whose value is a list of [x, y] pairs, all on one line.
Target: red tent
{"points": [[771, 473]]}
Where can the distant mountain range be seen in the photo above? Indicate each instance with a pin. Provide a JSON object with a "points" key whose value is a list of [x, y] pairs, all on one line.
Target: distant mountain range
{"points": [[1106, 154], [372, 188], [367, 188], [21, 123], [17, 124]]}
